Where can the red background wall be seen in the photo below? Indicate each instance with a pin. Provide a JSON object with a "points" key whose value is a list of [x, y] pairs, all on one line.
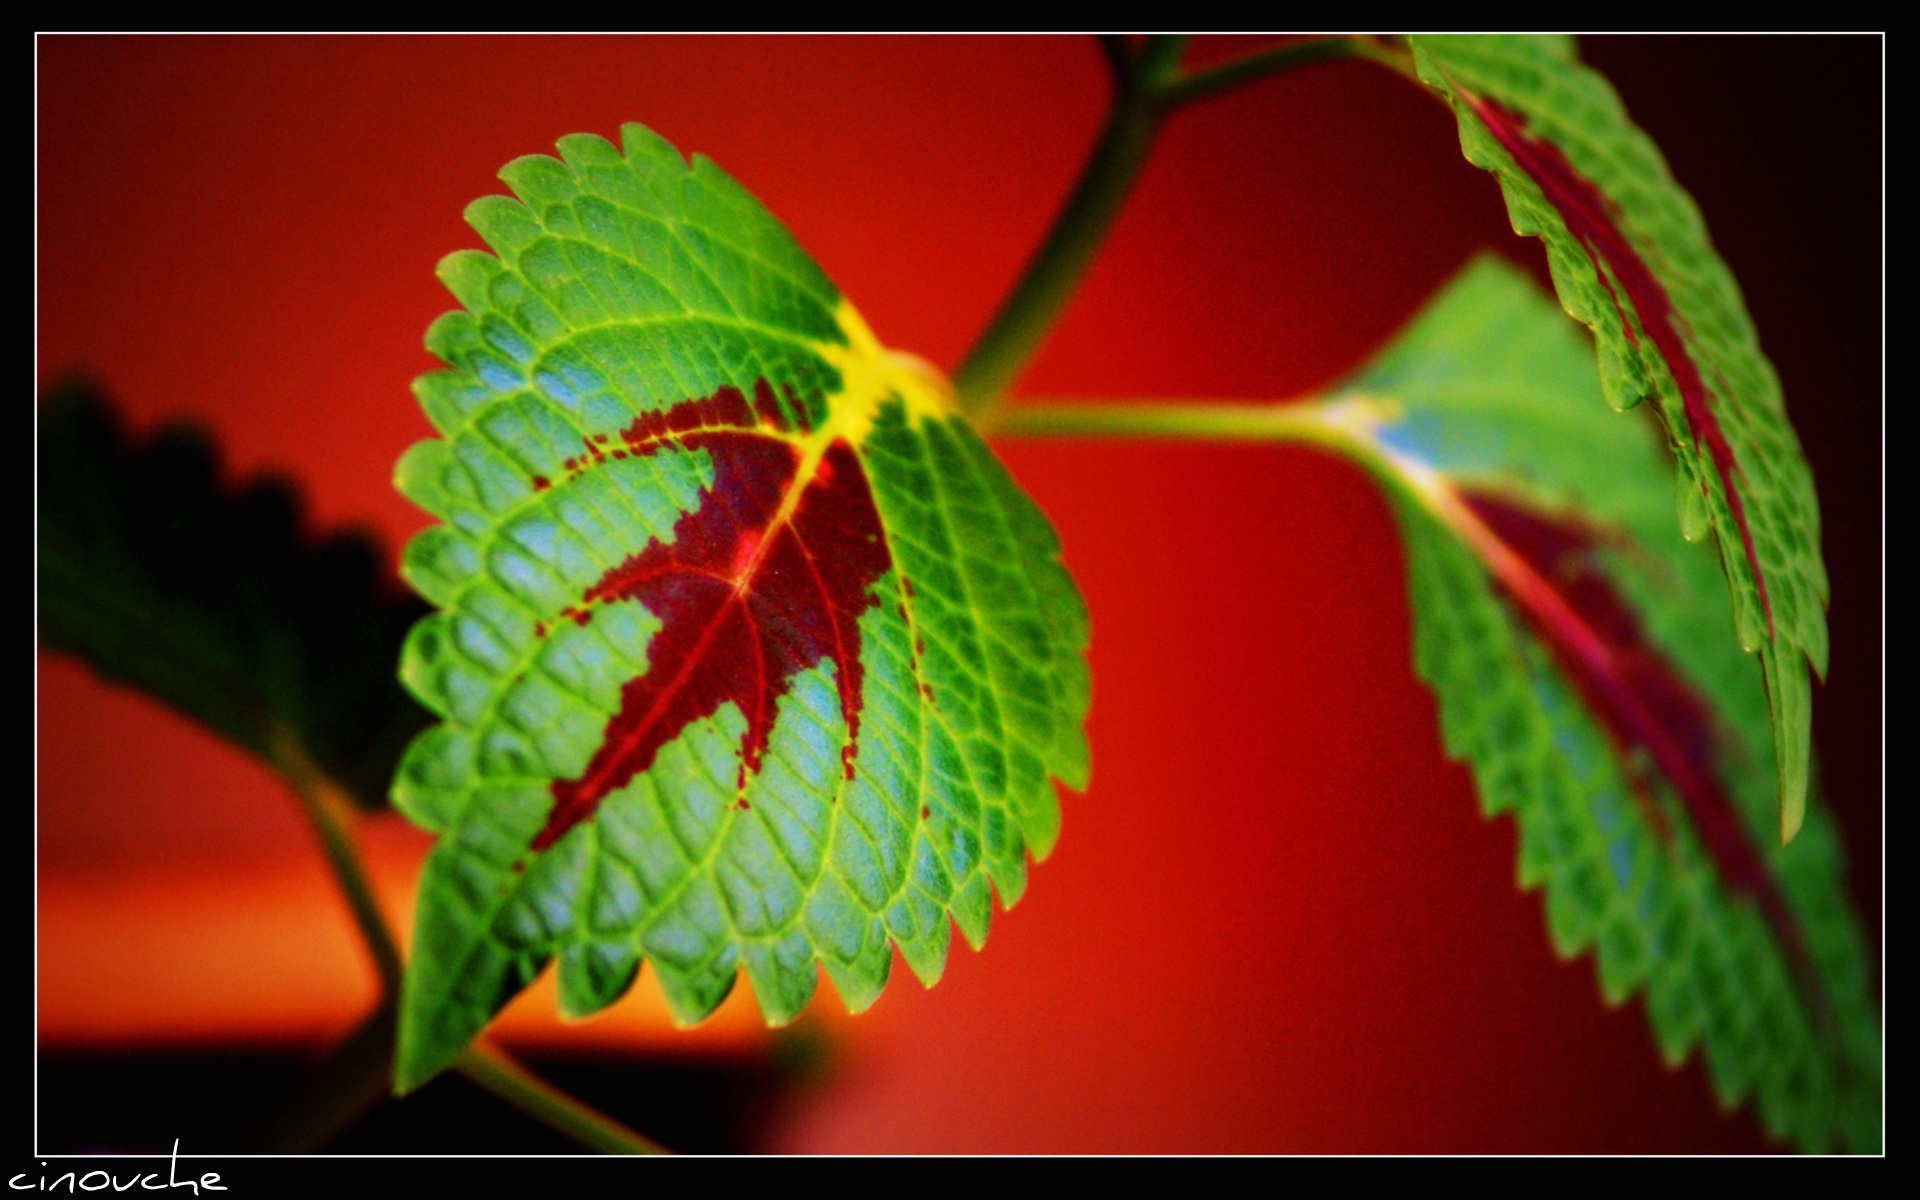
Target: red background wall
{"points": [[1276, 922]]}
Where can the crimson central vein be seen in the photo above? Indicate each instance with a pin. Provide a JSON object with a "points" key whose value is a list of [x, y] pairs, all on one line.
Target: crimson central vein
{"points": [[747, 595], [1641, 699], [1589, 218]]}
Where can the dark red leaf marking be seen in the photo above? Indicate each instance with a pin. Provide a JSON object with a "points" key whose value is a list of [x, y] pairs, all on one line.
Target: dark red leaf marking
{"points": [[747, 596], [1589, 217], [1636, 693]]}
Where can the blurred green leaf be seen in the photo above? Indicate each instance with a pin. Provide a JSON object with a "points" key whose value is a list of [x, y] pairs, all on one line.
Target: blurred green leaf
{"points": [[1581, 654]]}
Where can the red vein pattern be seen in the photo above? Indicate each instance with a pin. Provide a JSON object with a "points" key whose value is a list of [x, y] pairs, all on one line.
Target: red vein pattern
{"points": [[1589, 218], [748, 595], [1636, 693]]}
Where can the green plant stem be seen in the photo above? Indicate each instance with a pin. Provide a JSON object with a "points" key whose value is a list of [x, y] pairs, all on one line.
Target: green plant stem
{"points": [[330, 813], [1055, 269], [359, 1071], [1305, 422], [331, 1094], [507, 1079], [1148, 85], [1258, 64]]}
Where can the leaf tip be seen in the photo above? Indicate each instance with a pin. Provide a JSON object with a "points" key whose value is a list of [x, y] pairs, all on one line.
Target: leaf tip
{"points": [[1695, 521], [637, 141], [409, 1072], [1793, 804]]}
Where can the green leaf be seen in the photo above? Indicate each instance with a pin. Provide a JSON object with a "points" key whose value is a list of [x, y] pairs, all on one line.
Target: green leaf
{"points": [[751, 656], [1579, 651], [218, 599], [1631, 259]]}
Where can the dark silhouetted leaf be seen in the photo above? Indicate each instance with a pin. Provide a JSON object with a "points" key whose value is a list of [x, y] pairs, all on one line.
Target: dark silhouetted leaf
{"points": [[217, 599]]}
